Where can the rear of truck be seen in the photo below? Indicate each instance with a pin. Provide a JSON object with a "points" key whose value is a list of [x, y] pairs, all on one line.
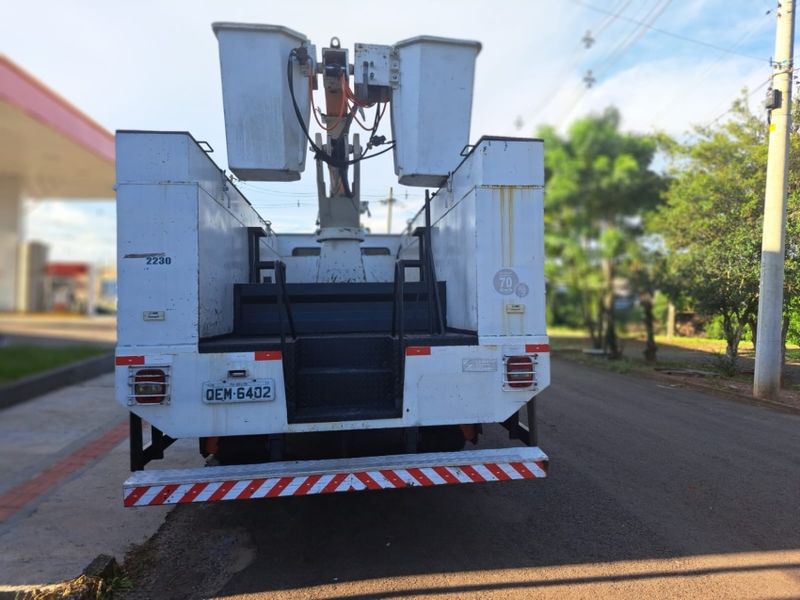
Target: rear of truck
{"points": [[340, 359], [269, 369]]}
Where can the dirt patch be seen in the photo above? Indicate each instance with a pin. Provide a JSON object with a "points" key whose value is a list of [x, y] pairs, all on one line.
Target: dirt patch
{"points": [[168, 568]]}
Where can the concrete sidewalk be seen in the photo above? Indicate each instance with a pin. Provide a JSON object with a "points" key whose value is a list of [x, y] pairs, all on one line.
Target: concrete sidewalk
{"points": [[63, 458]]}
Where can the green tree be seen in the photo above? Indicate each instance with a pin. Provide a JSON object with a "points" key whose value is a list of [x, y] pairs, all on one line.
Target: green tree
{"points": [[599, 187], [791, 289], [644, 266], [711, 222]]}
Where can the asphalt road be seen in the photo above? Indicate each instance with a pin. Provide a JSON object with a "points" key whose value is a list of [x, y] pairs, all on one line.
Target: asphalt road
{"points": [[654, 492]]}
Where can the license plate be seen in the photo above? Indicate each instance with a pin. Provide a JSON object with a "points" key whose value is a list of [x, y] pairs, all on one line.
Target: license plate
{"points": [[252, 390]]}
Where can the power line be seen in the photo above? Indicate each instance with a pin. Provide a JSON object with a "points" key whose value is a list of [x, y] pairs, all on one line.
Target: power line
{"points": [[575, 58], [750, 95], [634, 36], [295, 194], [677, 36], [619, 50], [612, 17], [700, 76], [284, 205]]}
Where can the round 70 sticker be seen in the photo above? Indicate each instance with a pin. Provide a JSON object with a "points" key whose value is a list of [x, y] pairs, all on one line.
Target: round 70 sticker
{"points": [[506, 282]]}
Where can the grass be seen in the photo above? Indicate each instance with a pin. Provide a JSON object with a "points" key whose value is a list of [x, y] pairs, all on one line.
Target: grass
{"points": [[712, 345], [20, 360], [555, 331], [703, 344]]}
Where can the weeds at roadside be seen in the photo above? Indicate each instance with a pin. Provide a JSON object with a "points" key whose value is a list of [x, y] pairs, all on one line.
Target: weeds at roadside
{"points": [[83, 587], [723, 364], [114, 586], [622, 366], [103, 579]]}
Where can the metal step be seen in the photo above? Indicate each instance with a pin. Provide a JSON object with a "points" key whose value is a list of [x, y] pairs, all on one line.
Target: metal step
{"points": [[303, 478], [345, 351], [329, 308], [365, 371], [341, 378]]}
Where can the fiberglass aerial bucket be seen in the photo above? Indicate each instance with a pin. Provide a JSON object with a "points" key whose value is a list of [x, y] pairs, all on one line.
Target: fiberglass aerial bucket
{"points": [[431, 107], [265, 140]]}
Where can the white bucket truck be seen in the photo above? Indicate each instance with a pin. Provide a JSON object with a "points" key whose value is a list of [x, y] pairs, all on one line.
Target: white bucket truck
{"points": [[336, 360]]}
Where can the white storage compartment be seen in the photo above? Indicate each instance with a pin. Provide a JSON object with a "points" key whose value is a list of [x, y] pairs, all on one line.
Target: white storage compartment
{"points": [[431, 107], [265, 141]]}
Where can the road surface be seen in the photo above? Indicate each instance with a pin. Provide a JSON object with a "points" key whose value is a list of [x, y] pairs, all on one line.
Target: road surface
{"points": [[654, 492]]}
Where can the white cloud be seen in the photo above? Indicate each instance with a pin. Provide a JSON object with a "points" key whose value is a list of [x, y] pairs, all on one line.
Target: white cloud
{"points": [[671, 95], [75, 232]]}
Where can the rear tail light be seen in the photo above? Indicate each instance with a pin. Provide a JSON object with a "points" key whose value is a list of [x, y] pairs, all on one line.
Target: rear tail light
{"points": [[519, 371], [150, 385]]}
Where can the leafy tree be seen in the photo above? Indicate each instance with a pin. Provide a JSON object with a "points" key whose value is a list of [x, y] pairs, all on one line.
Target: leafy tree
{"points": [[599, 186], [791, 289], [711, 222], [644, 266]]}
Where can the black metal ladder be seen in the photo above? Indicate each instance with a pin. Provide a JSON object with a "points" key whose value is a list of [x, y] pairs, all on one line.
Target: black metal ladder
{"points": [[278, 267], [427, 273]]}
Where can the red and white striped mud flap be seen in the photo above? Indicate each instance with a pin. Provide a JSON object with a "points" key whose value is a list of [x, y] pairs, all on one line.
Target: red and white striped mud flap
{"points": [[304, 478]]}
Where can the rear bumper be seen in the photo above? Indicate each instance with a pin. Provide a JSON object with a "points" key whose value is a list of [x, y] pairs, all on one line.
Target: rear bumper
{"points": [[305, 478]]}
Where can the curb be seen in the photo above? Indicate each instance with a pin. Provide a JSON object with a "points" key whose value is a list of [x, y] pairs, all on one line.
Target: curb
{"points": [[41, 383], [730, 394]]}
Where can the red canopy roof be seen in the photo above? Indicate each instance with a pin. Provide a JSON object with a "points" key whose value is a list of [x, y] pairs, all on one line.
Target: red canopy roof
{"points": [[52, 146], [64, 269]]}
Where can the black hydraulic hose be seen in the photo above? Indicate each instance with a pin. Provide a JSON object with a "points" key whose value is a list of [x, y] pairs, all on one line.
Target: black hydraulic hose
{"points": [[319, 153], [340, 151]]}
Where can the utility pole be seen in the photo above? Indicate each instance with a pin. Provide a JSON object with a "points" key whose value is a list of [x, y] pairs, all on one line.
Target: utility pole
{"points": [[767, 379], [390, 202]]}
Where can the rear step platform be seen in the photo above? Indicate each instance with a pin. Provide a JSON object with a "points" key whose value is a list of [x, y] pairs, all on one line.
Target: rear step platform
{"points": [[304, 478]]}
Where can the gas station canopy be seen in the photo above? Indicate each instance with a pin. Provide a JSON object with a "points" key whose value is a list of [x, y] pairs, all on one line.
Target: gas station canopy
{"points": [[48, 145], [48, 149]]}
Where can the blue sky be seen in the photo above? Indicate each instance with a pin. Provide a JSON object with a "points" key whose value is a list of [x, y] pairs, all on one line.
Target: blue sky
{"points": [[153, 65]]}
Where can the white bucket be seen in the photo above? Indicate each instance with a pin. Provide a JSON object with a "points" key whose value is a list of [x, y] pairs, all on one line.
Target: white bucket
{"points": [[431, 107], [265, 140]]}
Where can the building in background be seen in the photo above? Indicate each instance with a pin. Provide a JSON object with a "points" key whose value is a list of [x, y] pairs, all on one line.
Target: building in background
{"points": [[68, 287], [50, 150], [31, 267], [105, 290], [80, 288]]}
